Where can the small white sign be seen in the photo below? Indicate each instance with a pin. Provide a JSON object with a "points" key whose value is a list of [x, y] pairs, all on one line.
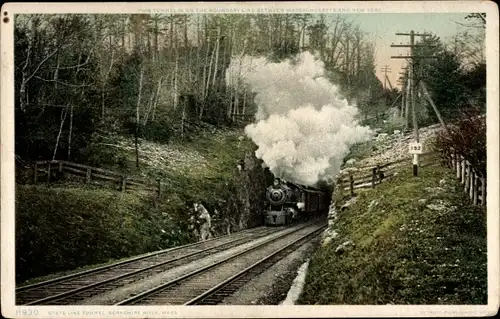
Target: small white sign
{"points": [[416, 148]]}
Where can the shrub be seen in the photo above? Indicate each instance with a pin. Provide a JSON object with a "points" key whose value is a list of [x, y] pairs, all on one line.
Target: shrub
{"points": [[467, 136]]}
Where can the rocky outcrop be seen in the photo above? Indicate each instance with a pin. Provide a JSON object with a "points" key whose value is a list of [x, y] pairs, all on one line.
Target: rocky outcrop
{"points": [[245, 207], [388, 148]]}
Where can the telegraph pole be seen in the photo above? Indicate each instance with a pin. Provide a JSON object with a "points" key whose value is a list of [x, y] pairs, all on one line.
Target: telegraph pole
{"points": [[401, 82], [411, 87], [386, 70], [404, 104]]}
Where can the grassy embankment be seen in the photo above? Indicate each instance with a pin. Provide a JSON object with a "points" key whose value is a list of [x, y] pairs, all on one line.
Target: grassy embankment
{"points": [[416, 242], [68, 225]]}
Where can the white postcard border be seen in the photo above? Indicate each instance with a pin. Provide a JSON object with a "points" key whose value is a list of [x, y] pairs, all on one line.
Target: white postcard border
{"points": [[7, 162]]}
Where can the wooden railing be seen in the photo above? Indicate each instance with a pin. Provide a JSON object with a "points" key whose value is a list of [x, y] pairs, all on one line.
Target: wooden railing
{"points": [[89, 173], [373, 175], [473, 181]]}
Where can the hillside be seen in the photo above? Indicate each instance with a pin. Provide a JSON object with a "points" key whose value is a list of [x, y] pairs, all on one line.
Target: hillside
{"points": [[410, 240], [60, 225]]}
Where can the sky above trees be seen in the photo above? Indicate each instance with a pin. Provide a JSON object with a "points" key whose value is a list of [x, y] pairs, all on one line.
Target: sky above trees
{"points": [[382, 28]]}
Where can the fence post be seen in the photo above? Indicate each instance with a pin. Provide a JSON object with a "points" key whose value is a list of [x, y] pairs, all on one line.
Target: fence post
{"points": [[351, 184], [48, 172], [124, 183], [462, 175], [159, 187], [87, 180], [60, 166], [374, 176], [445, 158], [483, 191], [467, 177], [472, 180], [452, 156], [476, 177], [340, 186], [379, 175], [457, 161], [35, 173]]}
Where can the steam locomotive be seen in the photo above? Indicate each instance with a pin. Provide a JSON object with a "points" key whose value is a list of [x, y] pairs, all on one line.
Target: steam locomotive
{"points": [[289, 203]]}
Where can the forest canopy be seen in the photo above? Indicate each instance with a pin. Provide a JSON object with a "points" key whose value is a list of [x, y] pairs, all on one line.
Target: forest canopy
{"points": [[80, 78]]}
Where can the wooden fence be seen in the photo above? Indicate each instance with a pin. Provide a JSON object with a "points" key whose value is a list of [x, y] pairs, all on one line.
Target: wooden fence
{"points": [[371, 176], [473, 181], [89, 173]]}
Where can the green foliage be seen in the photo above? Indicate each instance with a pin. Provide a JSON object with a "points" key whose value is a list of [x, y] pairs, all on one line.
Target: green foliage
{"points": [[467, 136], [65, 227], [58, 227], [84, 62], [157, 131], [453, 82], [49, 96], [406, 253]]}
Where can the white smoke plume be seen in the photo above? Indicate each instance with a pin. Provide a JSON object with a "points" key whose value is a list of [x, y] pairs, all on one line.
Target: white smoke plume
{"points": [[304, 127]]}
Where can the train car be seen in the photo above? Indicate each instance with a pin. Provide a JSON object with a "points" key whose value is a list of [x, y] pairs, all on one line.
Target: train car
{"points": [[289, 202]]}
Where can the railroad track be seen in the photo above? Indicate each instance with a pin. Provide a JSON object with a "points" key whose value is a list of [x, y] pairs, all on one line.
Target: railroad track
{"points": [[79, 286], [212, 283]]}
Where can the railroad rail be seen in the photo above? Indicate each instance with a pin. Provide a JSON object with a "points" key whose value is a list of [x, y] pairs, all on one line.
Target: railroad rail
{"points": [[211, 283], [78, 286]]}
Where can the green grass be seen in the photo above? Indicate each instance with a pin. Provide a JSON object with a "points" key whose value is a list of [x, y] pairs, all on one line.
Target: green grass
{"points": [[68, 225], [405, 252]]}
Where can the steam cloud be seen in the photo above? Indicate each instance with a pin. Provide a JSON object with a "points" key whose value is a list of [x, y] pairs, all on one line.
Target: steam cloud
{"points": [[304, 127]]}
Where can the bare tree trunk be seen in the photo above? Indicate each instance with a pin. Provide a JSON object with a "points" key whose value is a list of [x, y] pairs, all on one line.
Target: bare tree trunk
{"points": [[236, 103], [129, 41], [210, 69], [303, 33], [204, 78], [63, 119], [103, 86], [124, 29], [156, 99], [24, 80], [171, 35], [148, 109], [347, 63], [56, 72], [216, 56], [137, 119], [183, 118], [155, 39], [198, 49], [205, 94], [70, 130], [230, 106], [244, 101], [175, 80], [358, 57], [186, 42]]}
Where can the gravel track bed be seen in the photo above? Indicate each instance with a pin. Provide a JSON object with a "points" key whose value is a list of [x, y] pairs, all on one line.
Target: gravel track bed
{"points": [[271, 286], [195, 285], [124, 292], [83, 280]]}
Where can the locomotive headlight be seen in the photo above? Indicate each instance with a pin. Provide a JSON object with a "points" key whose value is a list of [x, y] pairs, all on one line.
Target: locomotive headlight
{"points": [[277, 195], [301, 205]]}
